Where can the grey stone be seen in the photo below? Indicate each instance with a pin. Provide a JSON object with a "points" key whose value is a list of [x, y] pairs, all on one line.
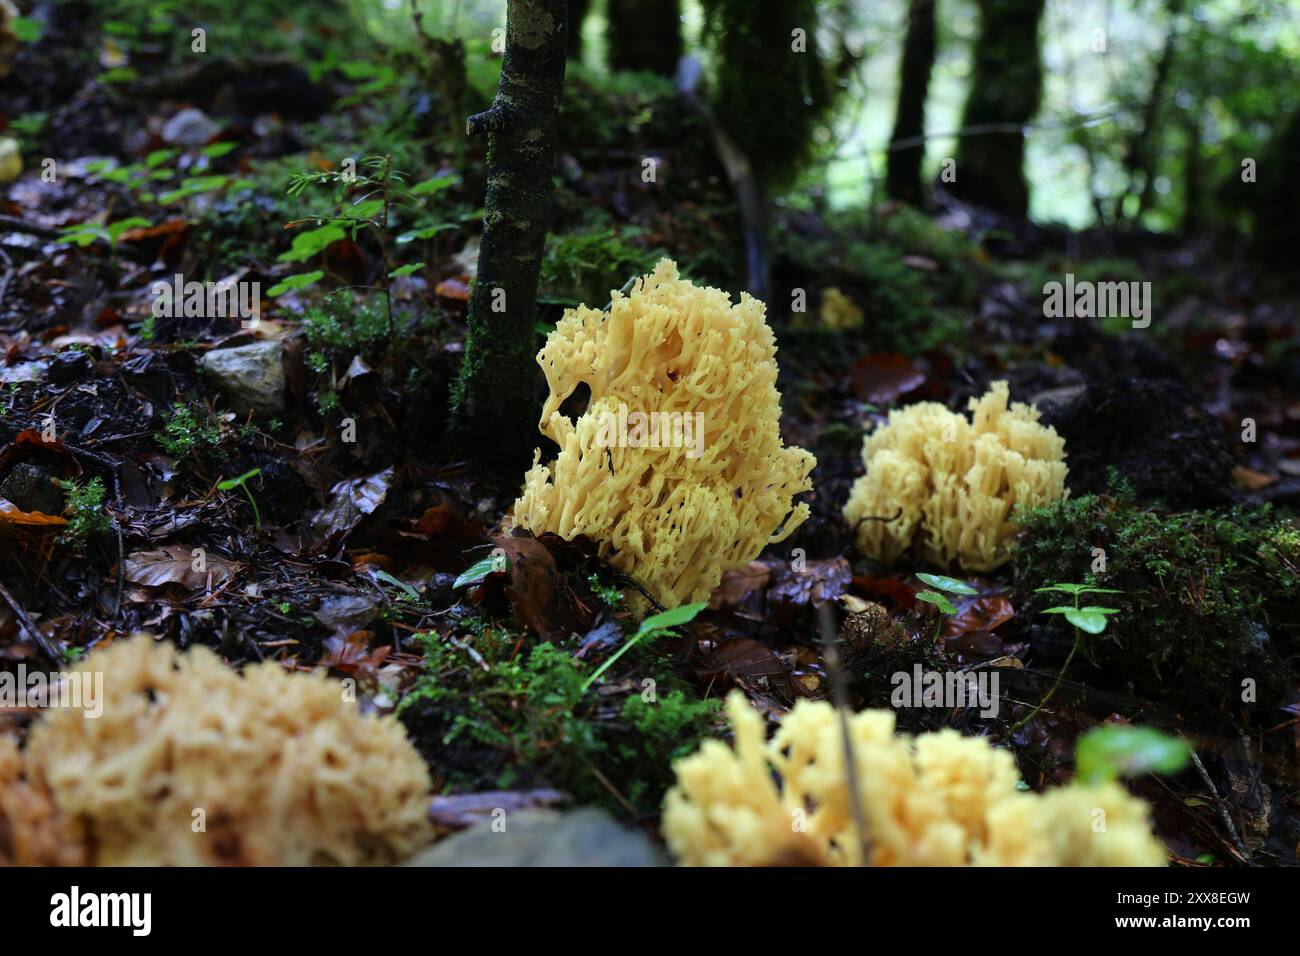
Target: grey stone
{"points": [[189, 127], [252, 376], [583, 837], [31, 488]]}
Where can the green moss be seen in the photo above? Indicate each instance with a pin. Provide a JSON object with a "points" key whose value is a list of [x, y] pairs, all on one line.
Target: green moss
{"points": [[1209, 597], [486, 715], [582, 267], [189, 429], [769, 89], [612, 110], [84, 506]]}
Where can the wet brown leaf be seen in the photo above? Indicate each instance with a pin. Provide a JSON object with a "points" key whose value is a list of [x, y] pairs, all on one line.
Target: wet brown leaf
{"points": [[178, 564]]}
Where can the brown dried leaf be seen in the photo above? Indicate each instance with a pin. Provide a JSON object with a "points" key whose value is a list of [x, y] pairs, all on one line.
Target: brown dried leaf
{"points": [[177, 564]]}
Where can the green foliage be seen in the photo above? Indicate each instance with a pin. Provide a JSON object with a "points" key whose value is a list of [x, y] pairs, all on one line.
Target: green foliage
{"points": [[652, 627], [1200, 588], [610, 594], [907, 308], [242, 483], [527, 719], [190, 428], [1116, 750], [583, 266], [616, 109], [84, 506]]}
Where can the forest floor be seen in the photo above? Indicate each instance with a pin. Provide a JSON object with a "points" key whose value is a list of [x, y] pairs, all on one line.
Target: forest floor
{"points": [[321, 520]]}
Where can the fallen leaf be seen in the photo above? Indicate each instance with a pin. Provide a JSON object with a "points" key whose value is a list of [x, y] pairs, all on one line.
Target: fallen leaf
{"points": [[344, 612], [192, 568], [738, 584], [10, 514], [985, 613], [796, 591], [350, 501], [164, 229], [1250, 479], [453, 290], [883, 378], [743, 657]]}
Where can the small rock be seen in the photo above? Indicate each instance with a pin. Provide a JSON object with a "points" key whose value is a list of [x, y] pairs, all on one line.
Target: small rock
{"points": [[189, 127], [31, 488], [70, 366], [584, 837], [252, 376]]}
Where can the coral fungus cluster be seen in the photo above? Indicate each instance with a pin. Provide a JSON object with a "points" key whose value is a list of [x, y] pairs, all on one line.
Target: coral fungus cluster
{"points": [[676, 468], [953, 483], [191, 763], [939, 799]]}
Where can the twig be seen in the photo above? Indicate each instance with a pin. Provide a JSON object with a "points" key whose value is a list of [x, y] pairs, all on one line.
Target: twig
{"points": [[14, 224], [26, 623], [840, 697], [625, 578], [9, 274], [1218, 802]]}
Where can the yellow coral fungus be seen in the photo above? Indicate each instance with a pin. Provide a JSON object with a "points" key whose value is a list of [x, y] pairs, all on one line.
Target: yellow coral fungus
{"points": [[955, 482], [32, 832], [191, 763], [676, 468], [939, 799]]}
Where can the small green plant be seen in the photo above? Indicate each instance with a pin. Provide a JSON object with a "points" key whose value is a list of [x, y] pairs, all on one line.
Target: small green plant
{"points": [[242, 483], [1089, 619], [84, 506], [372, 195], [945, 606], [488, 715], [610, 594], [652, 627], [190, 428], [1117, 750], [496, 561]]}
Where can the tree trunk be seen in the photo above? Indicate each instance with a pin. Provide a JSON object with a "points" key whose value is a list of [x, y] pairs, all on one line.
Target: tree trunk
{"points": [[1006, 87], [577, 16], [907, 146], [495, 399], [1138, 161], [1192, 190], [645, 35]]}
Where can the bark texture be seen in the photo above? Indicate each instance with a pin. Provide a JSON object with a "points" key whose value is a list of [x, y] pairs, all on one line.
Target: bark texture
{"points": [[496, 397], [907, 149], [645, 35], [1006, 88]]}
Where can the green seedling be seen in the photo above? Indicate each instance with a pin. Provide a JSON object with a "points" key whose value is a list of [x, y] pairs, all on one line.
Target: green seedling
{"points": [[1115, 750], [943, 583], [1089, 619], [242, 482], [475, 573], [654, 626]]}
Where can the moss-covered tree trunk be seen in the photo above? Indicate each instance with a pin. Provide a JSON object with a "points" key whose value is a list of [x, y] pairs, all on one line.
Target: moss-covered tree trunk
{"points": [[645, 35], [1006, 88], [907, 149], [495, 399]]}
